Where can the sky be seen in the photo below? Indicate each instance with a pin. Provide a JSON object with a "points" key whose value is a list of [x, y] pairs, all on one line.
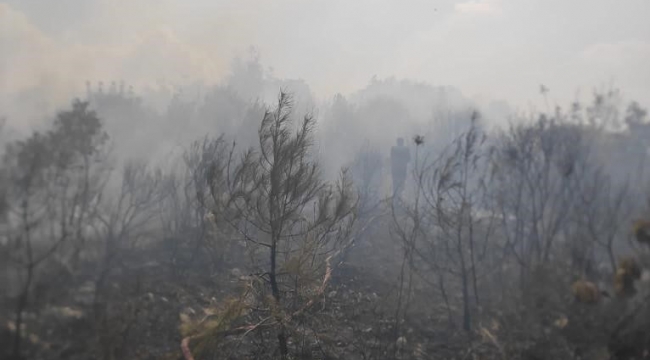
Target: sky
{"points": [[489, 49]]}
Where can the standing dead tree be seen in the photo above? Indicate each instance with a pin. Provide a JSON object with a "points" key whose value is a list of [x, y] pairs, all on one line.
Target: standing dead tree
{"points": [[125, 220], [27, 162], [533, 186], [602, 213], [53, 182], [188, 219], [453, 196], [407, 227]]}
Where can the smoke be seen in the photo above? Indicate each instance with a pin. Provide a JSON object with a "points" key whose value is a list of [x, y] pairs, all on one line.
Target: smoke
{"points": [[489, 49], [40, 71]]}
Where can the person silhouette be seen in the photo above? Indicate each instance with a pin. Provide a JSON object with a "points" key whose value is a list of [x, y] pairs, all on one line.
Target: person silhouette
{"points": [[400, 156]]}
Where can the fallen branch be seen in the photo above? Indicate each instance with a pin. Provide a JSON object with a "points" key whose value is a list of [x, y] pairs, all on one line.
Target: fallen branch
{"points": [[185, 348], [328, 273], [321, 289], [185, 343]]}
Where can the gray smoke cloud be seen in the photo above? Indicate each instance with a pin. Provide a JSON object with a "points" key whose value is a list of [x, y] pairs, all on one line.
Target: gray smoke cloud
{"points": [[489, 49]]}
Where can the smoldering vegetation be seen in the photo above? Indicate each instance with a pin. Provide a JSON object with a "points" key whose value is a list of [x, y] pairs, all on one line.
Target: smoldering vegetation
{"points": [[248, 221]]}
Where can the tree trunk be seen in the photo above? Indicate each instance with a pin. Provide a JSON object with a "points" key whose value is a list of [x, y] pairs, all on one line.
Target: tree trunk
{"points": [[282, 337], [20, 308], [612, 258], [467, 320], [24, 295], [443, 291]]}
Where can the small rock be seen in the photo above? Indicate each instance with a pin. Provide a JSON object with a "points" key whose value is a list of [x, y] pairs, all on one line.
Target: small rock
{"points": [[236, 273], [401, 342], [645, 276]]}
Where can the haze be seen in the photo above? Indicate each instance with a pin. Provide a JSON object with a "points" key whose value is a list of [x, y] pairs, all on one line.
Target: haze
{"points": [[489, 49], [319, 180]]}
